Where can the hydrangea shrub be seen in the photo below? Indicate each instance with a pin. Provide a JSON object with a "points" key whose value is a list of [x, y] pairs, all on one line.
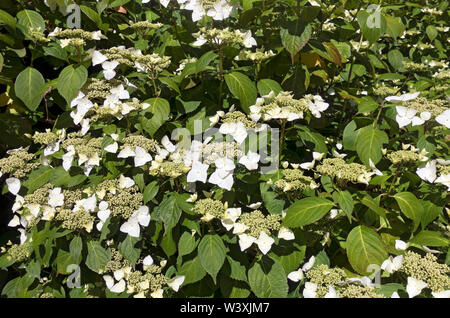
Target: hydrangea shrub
{"points": [[224, 148]]}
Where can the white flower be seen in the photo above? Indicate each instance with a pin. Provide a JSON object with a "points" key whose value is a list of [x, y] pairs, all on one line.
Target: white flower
{"points": [[103, 214], [414, 287], [198, 172], [309, 264], [112, 148], [374, 168], [317, 106], [392, 264], [237, 130], [395, 295], [223, 176], [245, 241], [401, 245], [126, 152], [331, 293], [176, 282], [200, 41], [427, 171], [420, 120], [249, 41], [404, 115], [310, 290], [109, 69], [264, 242], [192, 198], [441, 294], [120, 92], [286, 234], [142, 157], [230, 217], [15, 221], [164, 3], [402, 98], [444, 179], [139, 217], [308, 165], [125, 182], [250, 160], [98, 58], [56, 198], [115, 288], [147, 262], [13, 185], [255, 205], [444, 118], [170, 147], [157, 294], [296, 276]]}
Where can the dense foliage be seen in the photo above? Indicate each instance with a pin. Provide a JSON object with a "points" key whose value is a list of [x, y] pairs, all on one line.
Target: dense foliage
{"points": [[224, 148]]}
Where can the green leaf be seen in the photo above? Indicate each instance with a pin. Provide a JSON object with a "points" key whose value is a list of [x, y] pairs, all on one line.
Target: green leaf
{"points": [[6, 18], [127, 249], [367, 105], [75, 247], [394, 26], [28, 87], [30, 19], [432, 33], [374, 206], [430, 238], [365, 247], [395, 58], [160, 109], [307, 135], [265, 86], [350, 136], [211, 252], [70, 81], [63, 261], [151, 190], [372, 24], [170, 212], [369, 144], [268, 279], [294, 43], [410, 206], [345, 200], [97, 257], [187, 244], [430, 212], [242, 88], [238, 271], [192, 271], [93, 15], [306, 211], [37, 178]]}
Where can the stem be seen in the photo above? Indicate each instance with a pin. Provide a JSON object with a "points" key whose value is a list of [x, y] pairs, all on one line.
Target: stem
{"points": [[154, 85], [283, 131], [221, 76]]}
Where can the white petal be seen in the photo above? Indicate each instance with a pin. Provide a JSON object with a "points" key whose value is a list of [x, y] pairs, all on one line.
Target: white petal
{"points": [[13, 185]]}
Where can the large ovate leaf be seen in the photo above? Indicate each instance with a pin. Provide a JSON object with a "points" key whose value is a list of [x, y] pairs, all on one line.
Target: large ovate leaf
{"points": [[70, 80], [211, 252], [364, 248], [242, 88], [410, 206], [28, 87], [267, 279], [160, 110], [369, 144], [306, 211]]}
